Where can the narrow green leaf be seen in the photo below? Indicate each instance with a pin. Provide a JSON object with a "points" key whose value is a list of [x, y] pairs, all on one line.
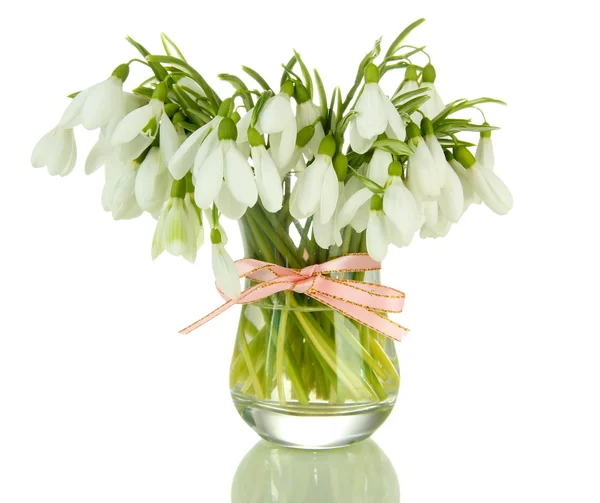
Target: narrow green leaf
{"points": [[159, 71], [360, 74], [322, 96], [411, 94], [306, 74], [170, 47], [400, 38], [188, 126], [197, 117], [146, 92], [449, 142], [393, 146], [239, 85], [411, 106], [286, 69], [367, 182], [256, 76]]}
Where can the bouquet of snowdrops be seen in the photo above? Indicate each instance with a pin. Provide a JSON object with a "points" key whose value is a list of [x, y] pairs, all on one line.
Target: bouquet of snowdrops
{"points": [[309, 175]]}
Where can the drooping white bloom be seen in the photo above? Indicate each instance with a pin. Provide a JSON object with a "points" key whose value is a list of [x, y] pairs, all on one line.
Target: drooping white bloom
{"points": [[118, 195], [179, 229], [277, 120], [493, 192], [268, 180], [409, 84], [307, 113], [375, 114], [423, 173], [356, 197], [400, 207], [439, 229], [57, 151], [434, 105], [452, 200], [98, 105], [153, 182], [316, 190], [469, 194], [485, 150], [136, 132], [224, 268], [224, 163], [378, 239]]}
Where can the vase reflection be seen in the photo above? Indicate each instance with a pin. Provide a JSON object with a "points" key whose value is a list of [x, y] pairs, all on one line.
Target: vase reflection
{"points": [[360, 473]]}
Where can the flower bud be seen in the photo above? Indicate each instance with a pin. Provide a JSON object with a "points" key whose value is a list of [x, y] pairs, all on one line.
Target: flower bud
{"points": [[486, 134], [171, 109], [372, 74], [177, 118], [227, 129], [411, 73], [429, 74], [178, 188], [426, 127], [395, 169], [255, 139], [464, 156], [121, 72], [376, 203], [225, 108], [301, 94], [236, 116], [305, 135], [448, 155], [288, 88], [340, 164], [215, 236], [327, 146], [412, 131], [160, 92]]}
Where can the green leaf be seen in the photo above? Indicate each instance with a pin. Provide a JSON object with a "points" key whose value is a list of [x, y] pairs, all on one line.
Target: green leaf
{"points": [[159, 71], [400, 38], [367, 182], [461, 104], [264, 97], [188, 127], [343, 124], [411, 106], [146, 92], [197, 117], [360, 74], [393, 146], [454, 128], [411, 94], [256, 76], [239, 85], [192, 72], [287, 69], [306, 74], [170, 48], [322, 96], [449, 142], [331, 123]]}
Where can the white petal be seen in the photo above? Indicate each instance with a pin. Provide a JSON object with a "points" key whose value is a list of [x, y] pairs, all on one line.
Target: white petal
{"points": [[359, 144], [312, 148], [62, 153], [431, 212], [439, 158], [329, 195], [72, 115], [306, 114], [324, 232], [395, 128], [422, 168], [310, 186], [469, 193], [225, 272], [377, 240], [182, 160], [176, 230], [103, 103], [229, 205], [242, 127], [153, 182], [268, 181], [132, 150], [169, 139], [46, 148], [494, 193], [70, 164], [401, 208], [379, 165], [434, 105], [157, 241], [371, 119], [209, 178], [132, 125], [452, 200], [124, 205], [485, 153], [287, 143], [276, 115], [352, 206], [98, 155], [238, 176]]}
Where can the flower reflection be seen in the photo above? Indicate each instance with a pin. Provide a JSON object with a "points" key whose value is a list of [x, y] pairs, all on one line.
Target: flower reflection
{"points": [[360, 473]]}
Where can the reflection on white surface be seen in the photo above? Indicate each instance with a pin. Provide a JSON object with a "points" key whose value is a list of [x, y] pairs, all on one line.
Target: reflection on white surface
{"points": [[360, 473]]}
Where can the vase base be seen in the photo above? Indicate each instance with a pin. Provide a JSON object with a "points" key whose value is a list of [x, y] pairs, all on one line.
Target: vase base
{"points": [[318, 426]]}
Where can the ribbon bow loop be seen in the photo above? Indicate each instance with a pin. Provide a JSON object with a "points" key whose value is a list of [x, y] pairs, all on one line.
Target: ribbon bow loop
{"points": [[366, 303]]}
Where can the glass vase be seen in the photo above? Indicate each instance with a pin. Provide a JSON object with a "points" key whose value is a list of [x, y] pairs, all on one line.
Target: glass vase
{"points": [[302, 374]]}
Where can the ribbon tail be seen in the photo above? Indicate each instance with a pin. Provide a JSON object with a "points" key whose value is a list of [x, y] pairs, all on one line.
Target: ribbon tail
{"points": [[208, 317]]}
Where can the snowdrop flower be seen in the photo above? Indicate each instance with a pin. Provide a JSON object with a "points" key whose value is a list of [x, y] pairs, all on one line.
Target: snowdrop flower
{"points": [[400, 206], [377, 233], [434, 105], [297, 163], [493, 192], [423, 174], [224, 268], [307, 113], [439, 229], [179, 229], [410, 82], [118, 195], [355, 208], [277, 120], [316, 192], [268, 180], [136, 132], [375, 115], [96, 106], [56, 150], [153, 182], [469, 194], [223, 165], [485, 149]]}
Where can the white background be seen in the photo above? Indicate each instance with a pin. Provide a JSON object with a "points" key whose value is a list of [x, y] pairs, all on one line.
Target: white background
{"points": [[101, 400]]}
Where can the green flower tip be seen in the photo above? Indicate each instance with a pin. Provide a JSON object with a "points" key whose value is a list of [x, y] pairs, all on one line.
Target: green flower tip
{"points": [[189, 184], [215, 236], [395, 168], [448, 155], [305, 135], [486, 134], [226, 107], [288, 88], [429, 74], [411, 73], [327, 146], [412, 130], [464, 156], [121, 72], [376, 203], [160, 93], [340, 164], [171, 109], [301, 94], [151, 128], [178, 188], [426, 127], [372, 73], [177, 118], [255, 139], [236, 116], [227, 129]]}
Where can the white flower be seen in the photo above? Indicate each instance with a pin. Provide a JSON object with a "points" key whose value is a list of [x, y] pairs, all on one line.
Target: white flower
{"points": [[179, 229], [379, 166], [452, 200], [118, 195], [96, 106], [316, 190], [153, 182], [409, 84], [469, 194], [485, 150], [434, 105], [493, 192], [439, 229], [400, 206], [277, 120], [378, 239], [224, 268], [356, 197], [328, 233], [307, 113], [423, 173], [56, 150], [375, 115], [268, 180], [136, 132], [224, 161]]}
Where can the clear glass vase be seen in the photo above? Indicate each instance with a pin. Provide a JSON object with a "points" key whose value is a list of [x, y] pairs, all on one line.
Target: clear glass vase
{"points": [[304, 375]]}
